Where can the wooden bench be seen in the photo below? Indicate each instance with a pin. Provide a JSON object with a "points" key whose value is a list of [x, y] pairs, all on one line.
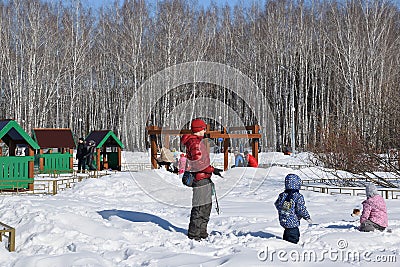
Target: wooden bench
{"points": [[11, 236]]}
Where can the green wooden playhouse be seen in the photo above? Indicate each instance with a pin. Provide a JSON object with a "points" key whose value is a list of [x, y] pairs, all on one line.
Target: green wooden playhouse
{"points": [[108, 149], [16, 157], [56, 150]]}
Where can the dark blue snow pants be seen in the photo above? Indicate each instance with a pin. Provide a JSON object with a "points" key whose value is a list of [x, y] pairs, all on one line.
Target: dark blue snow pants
{"points": [[291, 235]]}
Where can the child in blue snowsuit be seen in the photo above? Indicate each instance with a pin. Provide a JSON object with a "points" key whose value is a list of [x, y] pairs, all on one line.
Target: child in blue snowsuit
{"points": [[291, 208]]}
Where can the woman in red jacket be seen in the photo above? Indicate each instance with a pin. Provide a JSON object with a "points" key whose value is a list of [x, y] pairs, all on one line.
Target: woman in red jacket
{"points": [[251, 161], [198, 162]]}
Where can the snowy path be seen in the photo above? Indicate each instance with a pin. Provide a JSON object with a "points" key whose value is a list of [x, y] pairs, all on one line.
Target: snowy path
{"points": [[111, 221]]}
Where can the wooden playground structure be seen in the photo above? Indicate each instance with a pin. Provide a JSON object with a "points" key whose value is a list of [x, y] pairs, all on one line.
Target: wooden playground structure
{"points": [[108, 150], [60, 140], [252, 134], [11, 236], [17, 165]]}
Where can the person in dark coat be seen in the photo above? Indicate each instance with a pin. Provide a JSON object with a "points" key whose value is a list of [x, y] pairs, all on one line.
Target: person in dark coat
{"points": [[199, 163], [81, 155], [91, 149]]}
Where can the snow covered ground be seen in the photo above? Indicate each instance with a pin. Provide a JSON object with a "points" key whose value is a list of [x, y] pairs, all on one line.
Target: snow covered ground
{"points": [[141, 219]]}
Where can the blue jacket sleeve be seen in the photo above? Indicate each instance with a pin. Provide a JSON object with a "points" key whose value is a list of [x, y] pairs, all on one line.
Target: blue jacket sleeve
{"points": [[278, 202], [301, 210]]}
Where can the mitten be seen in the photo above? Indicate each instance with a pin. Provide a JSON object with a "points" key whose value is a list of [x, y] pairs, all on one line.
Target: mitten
{"points": [[218, 172]]}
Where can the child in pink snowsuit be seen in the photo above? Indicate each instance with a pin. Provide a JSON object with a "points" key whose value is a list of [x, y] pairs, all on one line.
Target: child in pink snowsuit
{"points": [[374, 215], [182, 164]]}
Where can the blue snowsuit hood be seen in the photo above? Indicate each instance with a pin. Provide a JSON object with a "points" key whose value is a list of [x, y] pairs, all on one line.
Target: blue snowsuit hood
{"points": [[292, 181]]}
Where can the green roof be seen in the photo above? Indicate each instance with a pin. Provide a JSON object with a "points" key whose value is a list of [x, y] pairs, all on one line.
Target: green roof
{"points": [[10, 130]]}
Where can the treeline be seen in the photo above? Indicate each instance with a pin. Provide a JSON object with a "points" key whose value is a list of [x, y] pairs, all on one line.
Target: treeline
{"points": [[64, 65]]}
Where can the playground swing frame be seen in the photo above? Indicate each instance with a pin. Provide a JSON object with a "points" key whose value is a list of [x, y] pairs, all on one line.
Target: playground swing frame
{"points": [[155, 131]]}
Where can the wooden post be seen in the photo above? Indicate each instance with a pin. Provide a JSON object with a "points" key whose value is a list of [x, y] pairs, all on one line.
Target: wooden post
{"points": [[41, 160], [153, 147], [254, 143], [105, 162], [31, 168], [71, 159], [119, 158], [226, 153], [11, 242], [55, 187], [98, 158], [153, 152]]}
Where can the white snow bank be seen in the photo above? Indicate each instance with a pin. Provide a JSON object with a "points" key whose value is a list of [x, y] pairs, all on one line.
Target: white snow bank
{"points": [[140, 219]]}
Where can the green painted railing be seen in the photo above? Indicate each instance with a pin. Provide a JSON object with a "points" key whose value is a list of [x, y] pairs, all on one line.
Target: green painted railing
{"points": [[56, 163], [14, 172]]}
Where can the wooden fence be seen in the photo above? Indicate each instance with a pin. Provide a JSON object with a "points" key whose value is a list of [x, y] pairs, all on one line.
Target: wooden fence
{"points": [[11, 236], [49, 184], [292, 166], [348, 179], [53, 186], [387, 193], [14, 172], [135, 167], [55, 163]]}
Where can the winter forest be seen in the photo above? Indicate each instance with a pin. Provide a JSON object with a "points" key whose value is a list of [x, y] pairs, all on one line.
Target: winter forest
{"points": [[65, 65]]}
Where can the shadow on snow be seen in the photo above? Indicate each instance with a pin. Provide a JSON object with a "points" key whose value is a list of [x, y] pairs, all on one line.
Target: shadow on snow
{"points": [[260, 234], [343, 226], [134, 216]]}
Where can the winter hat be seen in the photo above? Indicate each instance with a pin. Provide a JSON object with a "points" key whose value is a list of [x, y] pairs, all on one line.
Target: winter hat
{"points": [[371, 190], [198, 125]]}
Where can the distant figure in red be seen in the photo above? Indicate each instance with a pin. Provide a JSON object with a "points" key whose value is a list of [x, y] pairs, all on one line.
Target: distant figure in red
{"points": [[182, 164], [287, 150], [251, 161]]}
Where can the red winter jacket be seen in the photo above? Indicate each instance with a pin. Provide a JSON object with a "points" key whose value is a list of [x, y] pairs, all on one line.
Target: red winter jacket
{"points": [[251, 161], [197, 156]]}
